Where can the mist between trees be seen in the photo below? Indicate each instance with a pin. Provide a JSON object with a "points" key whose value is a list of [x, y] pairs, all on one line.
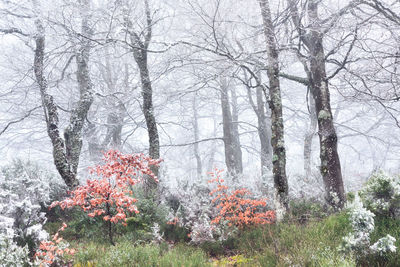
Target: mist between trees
{"points": [[294, 98]]}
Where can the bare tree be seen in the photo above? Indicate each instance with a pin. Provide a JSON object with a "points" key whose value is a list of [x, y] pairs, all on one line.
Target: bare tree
{"points": [[196, 151], [139, 43], [260, 108], [319, 88], [66, 151], [275, 104], [233, 152]]}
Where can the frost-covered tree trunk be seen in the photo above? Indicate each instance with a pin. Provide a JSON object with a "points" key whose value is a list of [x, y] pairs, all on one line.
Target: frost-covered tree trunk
{"points": [[73, 132], [275, 104], [330, 163], [317, 81], [66, 151], [264, 133], [196, 149], [235, 130], [148, 111], [263, 128], [140, 53], [308, 138], [210, 163], [233, 153]]}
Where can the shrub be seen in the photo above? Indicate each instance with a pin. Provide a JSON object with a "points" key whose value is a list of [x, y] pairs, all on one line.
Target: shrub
{"points": [[384, 245], [11, 254], [190, 214], [358, 241], [111, 196], [236, 207], [381, 194], [24, 192], [304, 210], [52, 251]]}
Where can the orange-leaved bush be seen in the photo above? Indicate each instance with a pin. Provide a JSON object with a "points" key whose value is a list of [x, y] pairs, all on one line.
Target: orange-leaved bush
{"points": [[51, 251], [236, 207], [111, 195]]}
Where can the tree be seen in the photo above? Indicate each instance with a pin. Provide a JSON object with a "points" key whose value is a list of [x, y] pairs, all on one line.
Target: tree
{"points": [[261, 108], [318, 83], [275, 104], [111, 196], [139, 44], [233, 152], [196, 151], [66, 151]]}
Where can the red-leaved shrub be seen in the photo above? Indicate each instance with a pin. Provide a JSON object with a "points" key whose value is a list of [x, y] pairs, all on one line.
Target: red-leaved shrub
{"points": [[236, 207], [111, 195]]}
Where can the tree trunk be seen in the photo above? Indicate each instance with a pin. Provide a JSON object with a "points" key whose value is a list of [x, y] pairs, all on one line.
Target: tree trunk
{"points": [[330, 163], [264, 133], [232, 156], [73, 133], [275, 104], [210, 165], [235, 130], [148, 111], [140, 50], [109, 224], [66, 151], [308, 138], [196, 139], [263, 129]]}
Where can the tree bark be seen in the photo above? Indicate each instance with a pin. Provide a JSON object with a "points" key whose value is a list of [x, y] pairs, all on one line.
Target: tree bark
{"points": [[263, 129], [66, 151], [235, 130], [233, 154], [330, 163], [275, 104], [308, 138], [140, 53], [196, 151], [73, 133]]}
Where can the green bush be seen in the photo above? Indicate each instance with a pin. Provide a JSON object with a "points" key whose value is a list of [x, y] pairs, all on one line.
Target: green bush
{"points": [[383, 226], [304, 210], [212, 248], [381, 194], [81, 226], [175, 233]]}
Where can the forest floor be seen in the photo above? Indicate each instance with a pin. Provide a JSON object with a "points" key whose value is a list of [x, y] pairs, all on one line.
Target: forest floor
{"points": [[300, 241]]}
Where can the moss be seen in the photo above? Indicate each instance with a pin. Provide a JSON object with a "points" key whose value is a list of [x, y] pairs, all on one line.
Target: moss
{"points": [[324, 114]]}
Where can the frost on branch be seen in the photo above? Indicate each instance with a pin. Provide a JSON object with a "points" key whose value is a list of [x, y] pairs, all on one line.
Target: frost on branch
{"points": [[384, 245], [358, 242], [11, 254], [212, 211], [381, 194], [25, 189]]}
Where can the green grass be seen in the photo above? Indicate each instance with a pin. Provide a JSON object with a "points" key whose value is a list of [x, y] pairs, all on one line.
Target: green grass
{"points": [[384, 226], [284, 244], [127, 254], [287, 244], [314, 243]]}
